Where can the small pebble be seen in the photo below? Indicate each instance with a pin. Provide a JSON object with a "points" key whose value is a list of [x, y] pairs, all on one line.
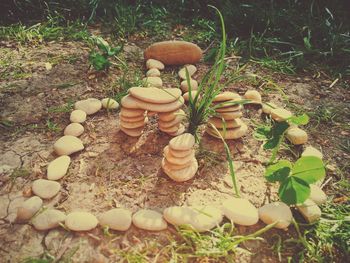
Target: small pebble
{"points": [[45, 189], [81, 221], [77, 116]]}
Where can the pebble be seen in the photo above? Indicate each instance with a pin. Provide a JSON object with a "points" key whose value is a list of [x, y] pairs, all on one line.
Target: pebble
{"points": [[48, 219], [154, 64], [276, 212], [191, 70], [183, 142], [29, 208], [153, 82], [296, 135], [280, 114], [155, 95], [153, 72], [81, 221], [89, 106], [45, 189], [226, 96], [181, 175], [108, 103], [117, 219], [310, 211], [185, 87], [74, 129], [186, 96], [58, 167], [77, 116], [254, 96], [240, 211], [267, 107], [311, 151], [149, 220], [317, 195], [67, 145]]}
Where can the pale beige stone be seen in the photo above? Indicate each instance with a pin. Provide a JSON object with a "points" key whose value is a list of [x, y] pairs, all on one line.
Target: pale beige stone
{"points": [[74, 129], [186, 96], [169, 116], [240, 211], [29, 208], [131, 113], [179, 153], [89, 106], [77, 116], [183, 174], [155, 95], [153, 82], [280, 114], [183, 142], [153, 63], [167, 124], [134, 103], [48, 219], [311, 151], [185, 87], [153, 72], [191, 70], [108, 103], [296, 135], [267, 107], [276, 212], [171, 166], [117, 219], [179, 131], [149, 220], [234, 133], [254, 96], [81, 221], [317, 195], [230, 115], [310, 211], [133, 125], [45, 189], [178, 160], [58, 167], [227, 96], [171, 129], [230, 108], [132, 119], [132, 132], [68, 145], [220, 123]]}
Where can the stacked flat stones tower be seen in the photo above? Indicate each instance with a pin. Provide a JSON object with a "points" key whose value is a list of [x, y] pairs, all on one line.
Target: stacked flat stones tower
{"points": [[227, 119]]}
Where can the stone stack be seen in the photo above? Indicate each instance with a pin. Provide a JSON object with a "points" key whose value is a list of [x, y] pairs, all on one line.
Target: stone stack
{"points": [[152, 78], [184, 83], [227, 121], [179, 161], [166, 102]]}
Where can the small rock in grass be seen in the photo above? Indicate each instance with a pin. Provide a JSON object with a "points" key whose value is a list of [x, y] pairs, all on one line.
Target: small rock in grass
{"points": [[191, 70], [81, 221], [108, 103], [253, 95], [186, 96], [116, 219], [268, 107], [311, 151], [45, 189], [77, 116], [153, 72], [48, 219], [317, 195], [153, 63], [58, 167], [185, 87], [240, 211], [67, 145], [149, 220], [153, 82], [310, 211], [29, 208], [296, 135], [89, 106], [280, 114], [74, 129], [276, 212]]}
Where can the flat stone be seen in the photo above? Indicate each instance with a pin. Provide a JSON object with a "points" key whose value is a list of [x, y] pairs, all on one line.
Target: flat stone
{"points": [[185, 87], [240, 211], [179, 131], [183, 142], [153, 72], [296, 135], [276, 212], [317, 195], [280, 114], [186, 96], [228, 108], [234, 133], [132, 132], [178, 160], [267, 107], [226, 96], [45, 189], [170, 166], [77, 116], [153, 82], [149, 220], [108, 103], [74, 129], [132, 119], [254, 96], [133, 125], [131, 113], [178, 153], [155, 95], [191, 70], [171, 129], [81, 221], [58, 167], [169, 116], [89, 106], [181, 175], [117, 219], [48, 219], [154, 64], [311, 151], [230, 115], [310, 211], [29, 208], [167, 124], [218, 123], [68, 145]]}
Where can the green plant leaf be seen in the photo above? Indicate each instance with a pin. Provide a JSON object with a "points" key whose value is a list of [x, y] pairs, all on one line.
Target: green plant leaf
{"points": [[262, 133], [103, 45], [300, 120], [293, 190], [98, 61], [276, 133], [278, 171], [309, 168]]}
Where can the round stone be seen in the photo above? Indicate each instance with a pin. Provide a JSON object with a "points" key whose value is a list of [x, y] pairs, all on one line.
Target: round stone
{"points": [[186, 96], [132, 132], [153, 72], [267, 107], [89, 106], [81, 221], [108, 103], [186, 88], [178, 160], [77, 116], [173, 167], [168, 124], [276, 212], [296, 135], [280, 114], [132, 119], [171, 129], [74, 129], [29, 208], [153, 82], [254, 96], [182, 175], [155, 95], [240, 211], [311, 151], [179, 215], [68, 145], [234, 133], [230, 108], [154, 64], [116, 219], [183, 142], [229, 115], [191, 70], [149, 220], [219, 123], [58, 167], [45, 189], [134, 125], [48, 219], [227, 96], [177, 153], [179, 131], [317, 195], [310, 211], [169, 116], [131, 113]]}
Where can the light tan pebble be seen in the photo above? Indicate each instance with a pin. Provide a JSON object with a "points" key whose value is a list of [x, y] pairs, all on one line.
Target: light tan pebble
{"points": [[311, 151], [171, 129], [229, 108], [81, 221], [153, 72], [169, 116], [108, 103], [191, 70], [180, 131], [153, 82], [179, 215], [58, 167], [132, 119], [177, 153], [130, 113], [186, 96], [167, 124], [45, 189], [134, 103], [183, 174], [184, 85], [149, 220], [227, 96], [317, 195], [48, 219], [229, 115], [267, 107], [296, 135], [234, 133], [254, 96], [220, 123], [29, 208], [240, 211], [116, 219], [89, 106], [152, 63], [171, 166], [74, 129], [133, 125], [310, 211], [77, 116], [183, 142], [68, 145], [155, 95], [132, 132], [276, 212], [280, 114]]}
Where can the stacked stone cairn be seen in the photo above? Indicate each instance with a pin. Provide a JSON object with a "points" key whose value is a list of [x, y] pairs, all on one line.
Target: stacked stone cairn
{"points": [[227, 120], [179, 161], [152, 78], [184, 83]]}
